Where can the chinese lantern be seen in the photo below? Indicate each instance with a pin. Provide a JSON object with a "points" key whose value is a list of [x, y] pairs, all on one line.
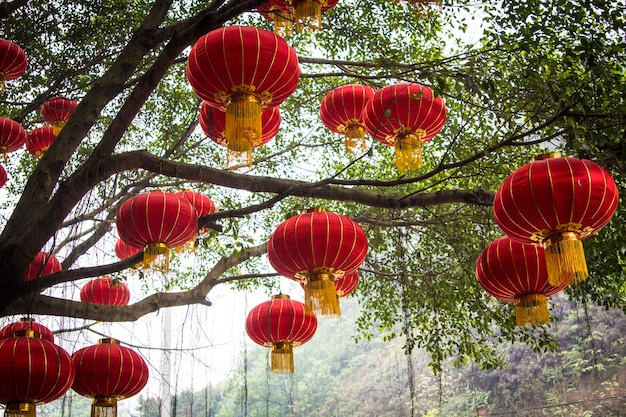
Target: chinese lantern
{"points": [[104, 290], [39, 140], [57, 112], [13, 62], [213, 123], [346, 285], [3, 176], [123, 250], [12, 136], [405, 116], [317, 248], [108, 372], [157, 221], [42, 264], [201, 203], [259, 70], [279, 12], [555, 203], [341, 112], [27, 323], [33, 371], [282, 324], [516, 273]]}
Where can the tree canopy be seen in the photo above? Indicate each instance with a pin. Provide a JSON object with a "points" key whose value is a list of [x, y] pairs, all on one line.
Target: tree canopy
{"points": [[517, 78]]}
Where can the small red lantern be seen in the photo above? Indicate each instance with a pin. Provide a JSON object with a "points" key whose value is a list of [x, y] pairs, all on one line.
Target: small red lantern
{"points": [[3, 176], [33, 371], [555, 203], [346, 285], [26, 323], [258, 70], [123, 250], [13, 62], [157, 221], [104, 290], [213, 123], [341, 112], [516, 273], [39, 140], [57, 112], [282, 324], [108, 372], [317, 248], [12, 136], [202, 203], [43, 264], [405, 116]]}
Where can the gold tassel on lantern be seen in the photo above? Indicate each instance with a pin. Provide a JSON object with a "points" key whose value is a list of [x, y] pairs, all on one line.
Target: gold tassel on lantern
{"points": [[355, 138], [409, 150], [156, 256], [283, 21], [320, 294], [309, 15], [3, 79], [57, 126], [531, 310], [20, 410], [565, 259], [104, 407], [243, 128], [282, 358]]}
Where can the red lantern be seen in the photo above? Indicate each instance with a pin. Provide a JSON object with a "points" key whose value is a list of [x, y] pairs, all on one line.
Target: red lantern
{"points": [[3, 176], [405, 116], [39, 140], [157, 221], [13, 62], [346, 285], [57, 112], [201, 203], [12, 136], [258, 70], [123, 250], [33, 371], [341, 112], [26, 323], [317, 248], [282, 324], [555, 203], [108, 372], [516, 273], [103, 290], [43, 264]]}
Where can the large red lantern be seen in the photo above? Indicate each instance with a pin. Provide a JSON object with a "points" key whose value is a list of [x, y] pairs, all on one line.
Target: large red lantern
{"points": [[33, 371], [24, 324], [256, 70], [405, 116], [104, 290], [13, 62], [341, 112], [555, 203], [317, 248], [157, 221], [39, 140], [516, 273], [57, 112], [42, 264], [213, 123], [12, 135], [108, 372], [282, 324], [3, 176]]}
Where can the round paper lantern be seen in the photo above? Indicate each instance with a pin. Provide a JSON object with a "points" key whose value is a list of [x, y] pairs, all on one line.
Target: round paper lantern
{"points": [[201, 203], [3, 176], [39, 140], [12, 136], [213, 123], [104, 290], [33, 371], [555, 203], [341, 112], [405, 116], [346, 285], [257, 70], [317, 248], [26, 323], [157, 221], [282, 324], [108, 372], [13, 62], [516, 273], [57, 112], [123, 250], [43, 264]]}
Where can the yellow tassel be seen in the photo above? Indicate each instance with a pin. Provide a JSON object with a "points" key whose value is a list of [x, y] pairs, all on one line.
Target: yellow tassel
{"points": [[104, 407], [282, 358], [3, 78], [320, 296], [308, 15], [408, 152], [20, 410], [283, 22], [156, 256], [565, 260], [531, 310], [189, 247], [355, 139], [57, 126], [243, 128]]}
